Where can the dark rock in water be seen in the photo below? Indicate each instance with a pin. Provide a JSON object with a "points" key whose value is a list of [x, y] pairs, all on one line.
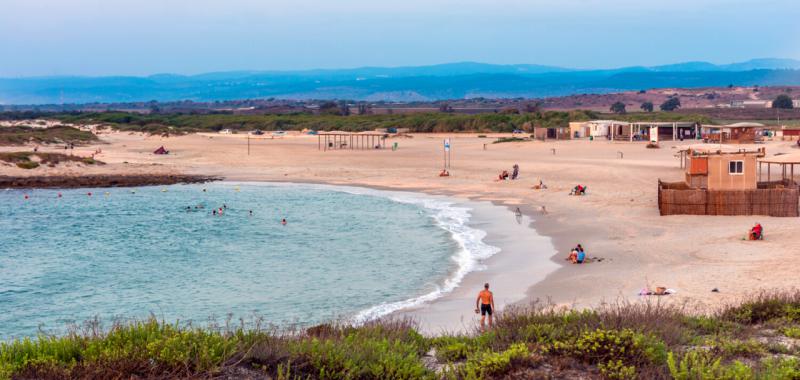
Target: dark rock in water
{"points": [[100, 180]]}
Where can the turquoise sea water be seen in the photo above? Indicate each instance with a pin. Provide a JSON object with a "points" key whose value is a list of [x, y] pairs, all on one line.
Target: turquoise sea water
{"points": [[344, 253]]}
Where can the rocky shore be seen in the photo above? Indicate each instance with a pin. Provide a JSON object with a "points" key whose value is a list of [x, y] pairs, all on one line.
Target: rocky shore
{"points": [[100, 180]]}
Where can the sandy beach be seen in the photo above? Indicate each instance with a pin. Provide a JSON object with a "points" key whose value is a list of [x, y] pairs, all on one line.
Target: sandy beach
{"points": [[618, 220]]}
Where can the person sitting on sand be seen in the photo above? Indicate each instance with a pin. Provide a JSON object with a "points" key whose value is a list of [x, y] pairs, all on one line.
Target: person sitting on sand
{"points": [[573, 256], [540, 186], [581, 257], [578, 190], [444, 173], [485, 305], [503, 176], [515, 172], [756, 233]]}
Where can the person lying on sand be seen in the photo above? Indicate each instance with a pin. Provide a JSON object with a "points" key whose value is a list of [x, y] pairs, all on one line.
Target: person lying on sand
{"points": [[485, 305], [660, 291]]}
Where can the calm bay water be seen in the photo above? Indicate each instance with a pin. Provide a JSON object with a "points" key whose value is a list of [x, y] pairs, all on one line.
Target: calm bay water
{"points": [[345, 252]]}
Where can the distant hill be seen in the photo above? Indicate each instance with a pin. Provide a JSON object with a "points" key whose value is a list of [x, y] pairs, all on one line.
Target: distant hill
{"points": [[445, 81]]}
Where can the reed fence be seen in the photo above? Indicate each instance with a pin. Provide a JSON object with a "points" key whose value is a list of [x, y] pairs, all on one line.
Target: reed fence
{"points": [[678, 199]]}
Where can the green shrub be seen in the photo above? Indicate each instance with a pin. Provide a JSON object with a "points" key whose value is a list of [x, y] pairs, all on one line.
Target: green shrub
{"points": [[729, 348], [601, 345], [709, 326], [616, 370], [791, 332], [28, 165], [452, 349], [787, 368], [508, 139], [496, 363], [698, 366], [765, 307]]}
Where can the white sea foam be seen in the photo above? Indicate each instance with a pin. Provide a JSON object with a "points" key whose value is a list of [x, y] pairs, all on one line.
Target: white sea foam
{"points": [[454, 219]]}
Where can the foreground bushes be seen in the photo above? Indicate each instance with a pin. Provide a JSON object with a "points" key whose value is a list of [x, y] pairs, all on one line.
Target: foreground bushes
{"points": [[753, 340]]}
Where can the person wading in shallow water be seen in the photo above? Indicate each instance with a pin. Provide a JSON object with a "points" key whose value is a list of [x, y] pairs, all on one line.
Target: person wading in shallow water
{"points": [[485, 305]]}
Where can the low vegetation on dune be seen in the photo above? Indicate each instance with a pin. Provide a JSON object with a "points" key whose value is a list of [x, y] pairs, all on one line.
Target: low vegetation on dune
{"points": [[178, 123], [32, 160], [20, 135], [418, 122], [757, 339]]}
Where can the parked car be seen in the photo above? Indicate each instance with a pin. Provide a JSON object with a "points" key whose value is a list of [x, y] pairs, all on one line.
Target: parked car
{"points": [[257, 132]]}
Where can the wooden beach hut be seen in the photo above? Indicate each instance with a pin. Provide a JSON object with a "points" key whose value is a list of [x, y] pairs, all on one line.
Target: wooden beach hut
{"points": [[728, 181]]}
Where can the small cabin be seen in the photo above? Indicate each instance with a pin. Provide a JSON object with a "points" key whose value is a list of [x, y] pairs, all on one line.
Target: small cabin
{"points": [[722, 170], [720, 180]]}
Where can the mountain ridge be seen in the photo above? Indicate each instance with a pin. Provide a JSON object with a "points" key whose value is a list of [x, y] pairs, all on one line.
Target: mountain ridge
{"points": [[431, 82]]}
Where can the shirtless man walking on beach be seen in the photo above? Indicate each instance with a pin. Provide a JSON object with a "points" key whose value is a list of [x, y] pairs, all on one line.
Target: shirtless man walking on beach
{"points": [[485, 304]]}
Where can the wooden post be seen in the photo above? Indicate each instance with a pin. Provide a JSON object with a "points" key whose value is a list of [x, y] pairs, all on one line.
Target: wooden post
{"points": [[248, 144]]}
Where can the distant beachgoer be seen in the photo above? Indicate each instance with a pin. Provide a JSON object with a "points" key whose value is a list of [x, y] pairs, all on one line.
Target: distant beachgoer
{"points": [[485, 305], [188, 208], [283, 221], [224, 206], [220, 211], [573, 256], [214, 212], [518, 212], [578, 190], [581, 255], [515, 172], [251, 212], [756, 233]]}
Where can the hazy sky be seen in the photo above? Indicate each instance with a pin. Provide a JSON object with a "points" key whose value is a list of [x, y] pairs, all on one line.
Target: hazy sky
{"points": [[140, 37]]}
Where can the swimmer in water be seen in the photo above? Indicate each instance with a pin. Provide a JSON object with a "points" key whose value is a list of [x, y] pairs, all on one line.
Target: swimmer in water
{"points": [[283, 221], [251, 212], [214, 212], [224, 206], [220, 210]]}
